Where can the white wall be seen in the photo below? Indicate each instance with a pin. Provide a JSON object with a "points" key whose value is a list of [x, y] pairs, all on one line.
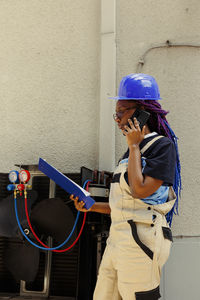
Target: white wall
{"points": [[180, 276], [49, 82], [140, 26]]}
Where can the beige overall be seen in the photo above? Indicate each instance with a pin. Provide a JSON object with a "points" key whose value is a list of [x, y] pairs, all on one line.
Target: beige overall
{"points": [[137, 247]]}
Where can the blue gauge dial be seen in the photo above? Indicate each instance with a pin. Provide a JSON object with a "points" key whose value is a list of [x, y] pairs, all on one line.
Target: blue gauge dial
{"points": [[13, 176]]}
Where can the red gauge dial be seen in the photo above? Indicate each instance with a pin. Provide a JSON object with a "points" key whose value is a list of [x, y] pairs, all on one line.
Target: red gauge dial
{"points": [[24, 176]]}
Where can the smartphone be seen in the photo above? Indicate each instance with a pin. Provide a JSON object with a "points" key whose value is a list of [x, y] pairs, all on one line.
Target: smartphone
{"points": [[142, 116]]}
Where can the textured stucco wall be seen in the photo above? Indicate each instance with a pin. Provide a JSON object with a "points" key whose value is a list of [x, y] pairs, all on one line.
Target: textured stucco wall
{"points": [[49, 82], [141, 25]]}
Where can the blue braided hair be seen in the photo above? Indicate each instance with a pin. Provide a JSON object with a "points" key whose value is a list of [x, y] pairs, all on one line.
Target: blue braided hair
{"points": [[177, 186], [158, 122]]}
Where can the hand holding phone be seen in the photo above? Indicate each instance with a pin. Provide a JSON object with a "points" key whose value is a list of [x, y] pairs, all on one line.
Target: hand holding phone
{"points": [[142, 117]]}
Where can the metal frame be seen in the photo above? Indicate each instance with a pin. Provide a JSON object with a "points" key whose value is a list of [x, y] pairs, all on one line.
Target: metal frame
{"points": [[48, 254]]}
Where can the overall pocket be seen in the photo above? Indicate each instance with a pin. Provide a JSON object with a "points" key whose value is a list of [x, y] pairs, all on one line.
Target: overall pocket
{"points": [[165, 246], [146, 237]]}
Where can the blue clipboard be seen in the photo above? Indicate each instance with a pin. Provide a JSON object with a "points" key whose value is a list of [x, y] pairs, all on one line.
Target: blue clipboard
{"points": [[66, 183]]}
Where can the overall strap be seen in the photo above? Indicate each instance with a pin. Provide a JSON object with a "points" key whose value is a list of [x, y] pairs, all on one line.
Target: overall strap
{"points": [[150, 143]]}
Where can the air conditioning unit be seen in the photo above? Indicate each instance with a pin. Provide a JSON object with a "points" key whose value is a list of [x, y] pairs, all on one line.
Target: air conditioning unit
{"points": [[71, 275]]}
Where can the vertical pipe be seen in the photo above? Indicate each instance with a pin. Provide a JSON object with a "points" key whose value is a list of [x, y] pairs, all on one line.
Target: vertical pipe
{"points": [[107, 86]]}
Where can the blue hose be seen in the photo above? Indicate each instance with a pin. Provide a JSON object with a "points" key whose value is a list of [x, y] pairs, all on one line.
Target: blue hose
{"points": [[40, 247]]}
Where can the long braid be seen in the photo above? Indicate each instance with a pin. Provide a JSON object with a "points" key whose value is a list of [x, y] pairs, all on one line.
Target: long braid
{"points": [[158, 122]]}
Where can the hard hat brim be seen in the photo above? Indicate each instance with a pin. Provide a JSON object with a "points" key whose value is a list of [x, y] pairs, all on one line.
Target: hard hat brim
{"points": [[124, 98]]}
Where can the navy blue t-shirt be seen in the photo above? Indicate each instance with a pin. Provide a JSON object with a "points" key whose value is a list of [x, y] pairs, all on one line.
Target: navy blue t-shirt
{"points": [[160, 159]]}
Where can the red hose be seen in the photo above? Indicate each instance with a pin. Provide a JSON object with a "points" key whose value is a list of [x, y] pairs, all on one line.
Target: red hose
{"points": [[37, 238]]}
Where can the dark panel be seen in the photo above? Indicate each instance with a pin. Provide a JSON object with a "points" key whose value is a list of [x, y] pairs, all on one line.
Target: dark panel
{"points": [[7, 283], [4, 181]]}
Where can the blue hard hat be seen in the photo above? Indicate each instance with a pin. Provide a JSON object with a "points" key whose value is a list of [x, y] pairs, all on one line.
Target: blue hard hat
{"points": [[138, 87]]}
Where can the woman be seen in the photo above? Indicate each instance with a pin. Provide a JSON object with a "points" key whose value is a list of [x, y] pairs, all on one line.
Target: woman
{"points": [[142, 200]]}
